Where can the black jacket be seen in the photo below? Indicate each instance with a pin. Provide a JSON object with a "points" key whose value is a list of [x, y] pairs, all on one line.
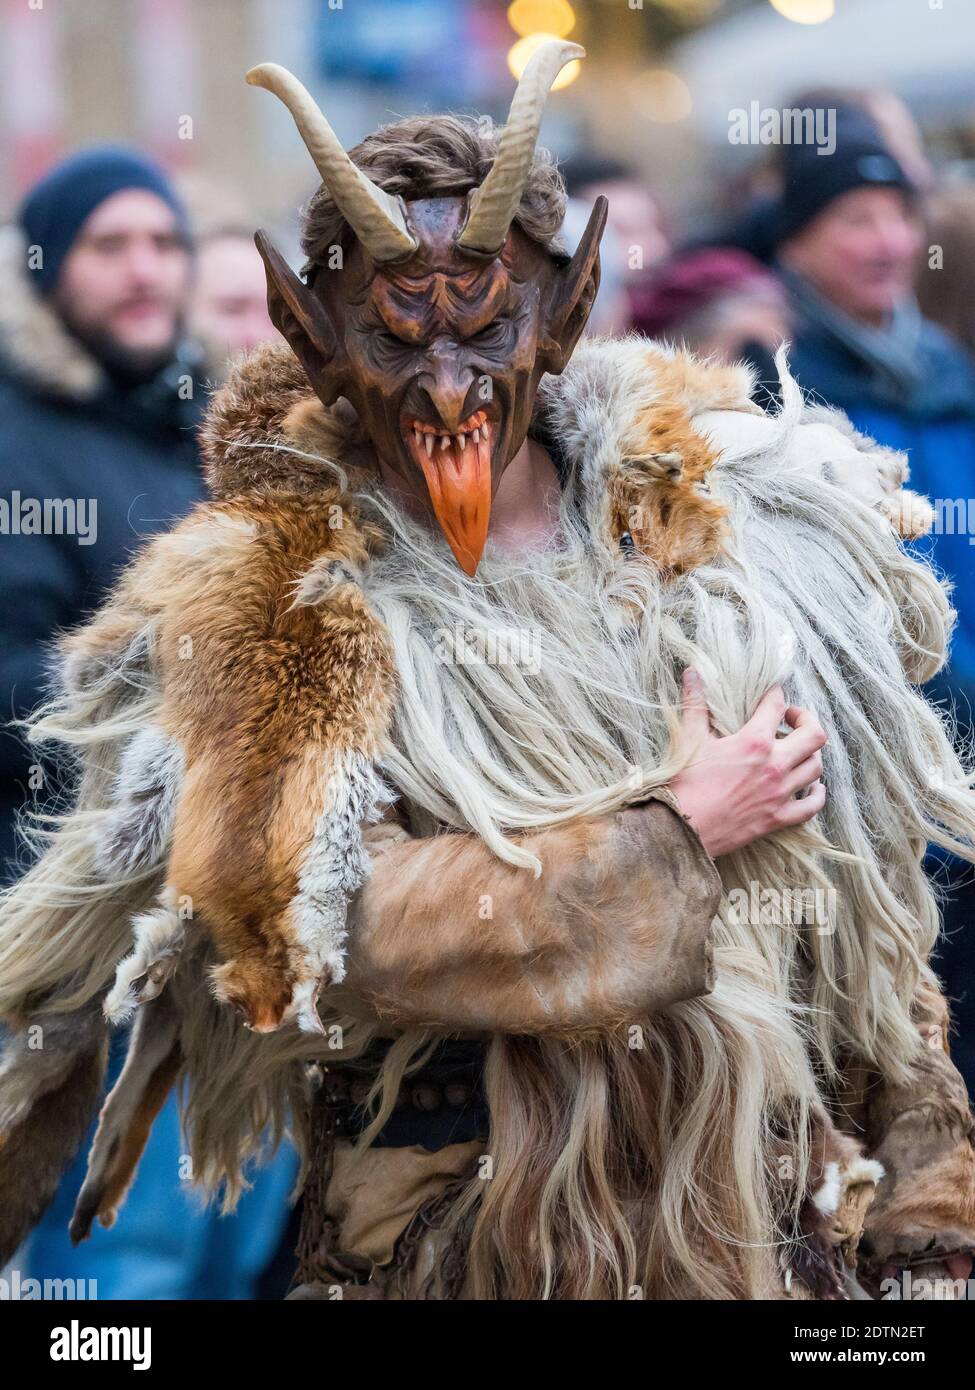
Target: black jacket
{"points": [[68, 432]]}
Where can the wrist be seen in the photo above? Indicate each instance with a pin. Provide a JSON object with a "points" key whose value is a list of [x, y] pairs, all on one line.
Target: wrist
{"points": [[692, 816]]}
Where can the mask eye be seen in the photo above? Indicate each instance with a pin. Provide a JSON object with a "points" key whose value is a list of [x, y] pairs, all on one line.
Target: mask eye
{"points": [[390, 340], [492, 335]]}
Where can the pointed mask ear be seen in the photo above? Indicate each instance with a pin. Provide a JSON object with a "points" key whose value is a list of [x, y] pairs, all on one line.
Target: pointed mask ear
{"points": [[573, 293], [301, 318]]}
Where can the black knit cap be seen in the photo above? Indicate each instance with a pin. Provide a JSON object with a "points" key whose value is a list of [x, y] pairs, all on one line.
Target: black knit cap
{"points": [[811, 181], [54, 211]]}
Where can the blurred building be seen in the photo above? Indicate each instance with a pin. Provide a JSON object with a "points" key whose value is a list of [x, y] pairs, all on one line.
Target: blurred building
{"points": [[168, 75], [656, 89]]}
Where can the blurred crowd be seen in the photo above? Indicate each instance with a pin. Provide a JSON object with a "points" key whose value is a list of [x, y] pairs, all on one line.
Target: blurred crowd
{"points": [[117, 316], [119, 312]]}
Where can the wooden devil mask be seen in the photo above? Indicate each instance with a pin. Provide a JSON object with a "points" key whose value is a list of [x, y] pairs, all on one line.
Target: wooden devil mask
{"points": [[443, 316]]}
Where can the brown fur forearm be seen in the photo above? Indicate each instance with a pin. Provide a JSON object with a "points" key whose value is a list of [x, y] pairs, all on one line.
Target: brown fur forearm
{"points": [[922, 1132], [616, 926]]}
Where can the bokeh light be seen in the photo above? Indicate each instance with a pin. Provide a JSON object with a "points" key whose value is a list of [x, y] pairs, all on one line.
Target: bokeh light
{"points": [[528, 17], [521, 51], [805, 11], [661, 95]]}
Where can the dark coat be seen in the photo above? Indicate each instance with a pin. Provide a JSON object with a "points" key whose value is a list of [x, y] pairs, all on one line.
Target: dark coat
{"points": [[928, 413], [67, 431]]}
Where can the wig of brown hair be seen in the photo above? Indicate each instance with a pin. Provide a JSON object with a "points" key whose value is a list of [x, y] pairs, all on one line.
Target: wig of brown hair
{"points": [[438, 157]]}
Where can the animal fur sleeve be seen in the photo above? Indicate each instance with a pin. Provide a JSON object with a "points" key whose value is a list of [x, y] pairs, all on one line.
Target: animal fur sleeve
{"points": [[923, 1133], [448, 936], [259, 767]]}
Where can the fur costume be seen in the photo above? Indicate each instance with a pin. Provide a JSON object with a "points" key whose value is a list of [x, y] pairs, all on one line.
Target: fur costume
{"points": [[350, 788], [203, 649]]}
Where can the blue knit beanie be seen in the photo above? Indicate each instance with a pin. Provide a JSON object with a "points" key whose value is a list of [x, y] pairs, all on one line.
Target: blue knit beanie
{"points": [[54, 211]]}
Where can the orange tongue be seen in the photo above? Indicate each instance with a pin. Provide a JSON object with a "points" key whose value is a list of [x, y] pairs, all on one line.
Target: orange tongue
{"points": [[459, 483]]}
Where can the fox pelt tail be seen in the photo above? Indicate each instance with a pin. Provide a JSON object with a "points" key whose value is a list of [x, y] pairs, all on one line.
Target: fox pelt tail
{"points": [[152, 1064], [51, 1076]]}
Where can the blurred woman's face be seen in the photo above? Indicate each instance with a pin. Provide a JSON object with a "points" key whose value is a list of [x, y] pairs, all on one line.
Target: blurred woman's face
{"points": [[860, 252], [635, 219], [229, 308]]}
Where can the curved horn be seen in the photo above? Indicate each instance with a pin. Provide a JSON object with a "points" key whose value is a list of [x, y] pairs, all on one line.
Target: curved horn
{"points": [[376, 218], [495, 203]]}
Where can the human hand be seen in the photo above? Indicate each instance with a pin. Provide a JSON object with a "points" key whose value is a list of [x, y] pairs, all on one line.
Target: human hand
{"points": [[743, 786]]}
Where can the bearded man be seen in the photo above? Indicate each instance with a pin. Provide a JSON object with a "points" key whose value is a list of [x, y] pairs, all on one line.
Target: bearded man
{"points": [[99, 400], [451, 783]]}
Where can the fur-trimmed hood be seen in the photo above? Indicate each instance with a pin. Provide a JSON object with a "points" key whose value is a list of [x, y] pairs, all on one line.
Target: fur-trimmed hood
{"points": [[37, 351], [34, 344]]}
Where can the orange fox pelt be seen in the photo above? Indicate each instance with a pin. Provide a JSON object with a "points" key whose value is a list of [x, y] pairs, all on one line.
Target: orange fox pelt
{"points": [[276, 674], [659, 493]]}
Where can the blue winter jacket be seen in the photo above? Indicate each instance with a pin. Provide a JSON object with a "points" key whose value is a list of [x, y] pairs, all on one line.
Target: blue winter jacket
{"points": [[931, 417]]}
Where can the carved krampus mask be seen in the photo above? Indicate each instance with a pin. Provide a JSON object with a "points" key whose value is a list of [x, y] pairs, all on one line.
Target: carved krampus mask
{"points": [[443, 315]]}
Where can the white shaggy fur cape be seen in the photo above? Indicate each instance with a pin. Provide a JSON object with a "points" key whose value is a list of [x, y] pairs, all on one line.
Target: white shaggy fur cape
{"points": [[267, 679]]}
